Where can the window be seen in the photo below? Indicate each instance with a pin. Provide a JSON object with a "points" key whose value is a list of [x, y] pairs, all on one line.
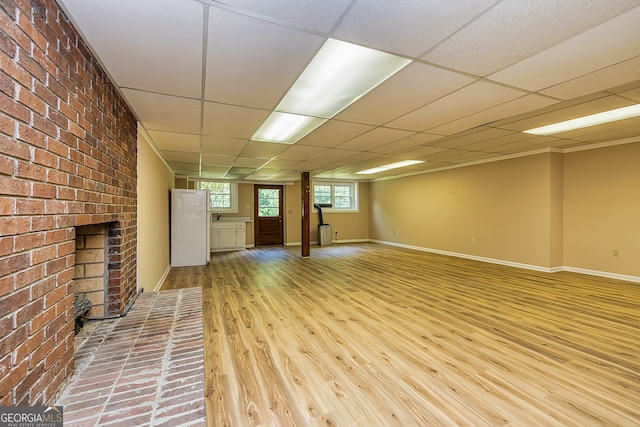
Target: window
{"points": [[268, 202], [341, 195], [223, 196]]}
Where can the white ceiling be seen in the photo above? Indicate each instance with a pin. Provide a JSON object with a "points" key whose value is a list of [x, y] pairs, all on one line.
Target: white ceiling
{"points": [[202, 75]]}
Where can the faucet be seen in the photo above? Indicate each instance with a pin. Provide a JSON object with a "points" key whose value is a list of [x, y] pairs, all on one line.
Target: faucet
{"points": [[218, 217]]}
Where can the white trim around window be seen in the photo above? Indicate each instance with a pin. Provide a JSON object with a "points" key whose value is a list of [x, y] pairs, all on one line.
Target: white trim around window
{"points": [[223, 195], [343, 195]]}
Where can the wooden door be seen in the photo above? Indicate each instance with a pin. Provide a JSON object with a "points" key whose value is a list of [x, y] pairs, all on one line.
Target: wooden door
{"points": [[268, 215]]}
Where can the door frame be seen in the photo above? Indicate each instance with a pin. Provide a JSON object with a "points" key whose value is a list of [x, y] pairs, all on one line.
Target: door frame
{"points": [[256, 222]]}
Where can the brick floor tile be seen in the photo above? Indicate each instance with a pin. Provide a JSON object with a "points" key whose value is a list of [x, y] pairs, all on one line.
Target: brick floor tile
{"points": [[146, 368], [134, 394], [192, 419], [142, 420], [82, 402], [150, 382], [171, 392], [82, 417], [126, 414], [180, 410]]}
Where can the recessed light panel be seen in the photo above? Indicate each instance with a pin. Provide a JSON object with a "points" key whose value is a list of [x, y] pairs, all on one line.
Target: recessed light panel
{"points": [[336, 77], [390, 166], [586, 121], [286, 128]]}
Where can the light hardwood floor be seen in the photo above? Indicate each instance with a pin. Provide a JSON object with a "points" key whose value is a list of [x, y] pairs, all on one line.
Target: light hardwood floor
{"points": [[372, 335]]}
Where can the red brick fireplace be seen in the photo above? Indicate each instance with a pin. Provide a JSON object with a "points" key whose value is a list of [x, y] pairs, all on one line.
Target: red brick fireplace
{"points": [[67, 163]]}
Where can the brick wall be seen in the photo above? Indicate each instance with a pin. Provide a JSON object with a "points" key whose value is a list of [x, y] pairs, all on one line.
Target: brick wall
{"points": [[67, 159]]}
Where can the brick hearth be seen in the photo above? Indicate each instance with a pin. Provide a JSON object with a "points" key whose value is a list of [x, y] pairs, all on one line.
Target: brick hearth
{"points": [[146, 368]]}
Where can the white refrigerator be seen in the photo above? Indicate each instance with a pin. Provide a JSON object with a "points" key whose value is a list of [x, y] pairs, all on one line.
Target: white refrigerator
{"points": [[190, 224]]}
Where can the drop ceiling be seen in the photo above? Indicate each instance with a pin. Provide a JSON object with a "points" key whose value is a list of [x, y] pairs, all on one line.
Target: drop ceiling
{"points": [[202, 75]]}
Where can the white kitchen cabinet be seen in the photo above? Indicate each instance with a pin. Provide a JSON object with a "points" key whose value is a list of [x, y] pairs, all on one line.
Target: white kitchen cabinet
{"points": [[228, 235]]}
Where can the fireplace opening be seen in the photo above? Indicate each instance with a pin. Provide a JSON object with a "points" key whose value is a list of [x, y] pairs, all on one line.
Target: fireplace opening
{"points": [[97, 258]]}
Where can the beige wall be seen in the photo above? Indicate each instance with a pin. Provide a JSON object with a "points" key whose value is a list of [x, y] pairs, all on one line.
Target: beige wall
{"points": [[293, 213], [548, 210], [504, 205], [155, 182], [556, 210], [602, 209], [245, 208]]}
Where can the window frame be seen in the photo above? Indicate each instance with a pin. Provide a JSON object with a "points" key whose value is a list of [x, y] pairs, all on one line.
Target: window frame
{"points": [[233, 193], [354, 195]]}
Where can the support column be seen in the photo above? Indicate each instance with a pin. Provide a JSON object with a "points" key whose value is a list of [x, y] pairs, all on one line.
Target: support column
{"points": [[306, 212]]}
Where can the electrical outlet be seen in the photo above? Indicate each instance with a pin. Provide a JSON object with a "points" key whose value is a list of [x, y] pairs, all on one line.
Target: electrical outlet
{"points": [[616, 252], [474, 240]]}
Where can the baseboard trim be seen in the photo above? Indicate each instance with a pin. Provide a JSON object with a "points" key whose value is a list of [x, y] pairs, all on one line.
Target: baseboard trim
{"points": [[605, 274], [158, 285], [472, 257], [608, 275]]}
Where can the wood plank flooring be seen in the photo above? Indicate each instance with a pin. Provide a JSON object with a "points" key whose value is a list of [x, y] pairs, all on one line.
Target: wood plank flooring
{"points": [[372, 335]]}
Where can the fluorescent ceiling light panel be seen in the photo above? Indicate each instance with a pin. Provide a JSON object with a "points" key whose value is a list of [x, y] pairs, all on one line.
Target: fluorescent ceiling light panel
{"points": [[286, 128], [586, 121], [390, 166], [338, 75]]}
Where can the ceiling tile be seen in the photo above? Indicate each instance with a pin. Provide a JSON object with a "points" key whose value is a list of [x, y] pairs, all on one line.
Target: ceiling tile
{"points": [[375, 138], [409, 28], [214, 172], [249, 162], [633, 94], [406, 143], [252, 62], [309, 165], [232, 121], [314, 15], [334, 132], [590, 51], [175, 141], [482, 134], [283, 164], [217, 160], [238, 172], [614, 75], [189, 168], [468, 100], [526, 145], [182, 157], [420, 153], [165, 113], [496, 144], [299, 152], [412, 87], [459, 156], [287, 175], [363, 157], [508, 109], [515, 29], [222, 145], [334, 155], [163, 40], [262, 150]]}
